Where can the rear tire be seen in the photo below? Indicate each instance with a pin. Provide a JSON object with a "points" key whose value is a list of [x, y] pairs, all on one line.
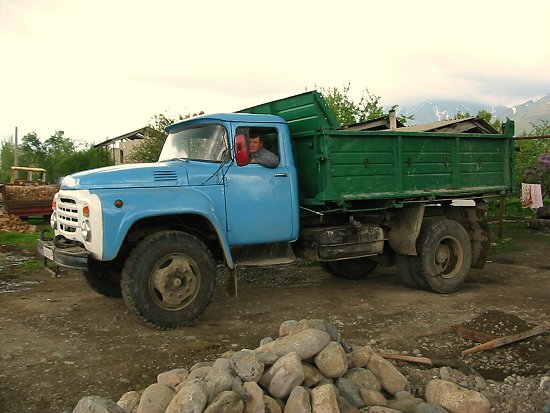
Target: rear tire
{"points": [[353, 268], [407, 267], [444, 256], [168, 279]]}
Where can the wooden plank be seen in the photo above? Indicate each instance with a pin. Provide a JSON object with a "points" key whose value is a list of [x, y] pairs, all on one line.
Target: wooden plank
{"points": [[498, 342]]}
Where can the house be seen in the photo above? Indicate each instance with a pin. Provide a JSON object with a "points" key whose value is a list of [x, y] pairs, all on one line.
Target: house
{"points": [[121, 146]]}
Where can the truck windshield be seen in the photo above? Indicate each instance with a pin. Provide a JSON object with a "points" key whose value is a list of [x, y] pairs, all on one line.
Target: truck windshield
{"points": [[200, 143]]}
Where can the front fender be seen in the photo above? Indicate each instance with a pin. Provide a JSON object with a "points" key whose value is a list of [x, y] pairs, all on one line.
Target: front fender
{"points": [[138, 204]]}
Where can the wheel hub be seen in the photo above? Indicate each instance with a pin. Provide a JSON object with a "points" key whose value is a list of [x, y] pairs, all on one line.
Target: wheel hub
{"points": [[442, 254], [174, 282]]}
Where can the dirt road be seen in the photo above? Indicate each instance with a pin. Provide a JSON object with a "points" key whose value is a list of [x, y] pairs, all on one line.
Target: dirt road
{"points": [[60, 341]]}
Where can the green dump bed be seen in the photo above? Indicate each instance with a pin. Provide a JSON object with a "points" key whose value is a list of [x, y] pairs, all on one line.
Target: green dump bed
{"points": [[340, 166]]}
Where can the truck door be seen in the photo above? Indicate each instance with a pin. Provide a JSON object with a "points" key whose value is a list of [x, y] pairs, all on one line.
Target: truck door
{"points": [[259, 198]]}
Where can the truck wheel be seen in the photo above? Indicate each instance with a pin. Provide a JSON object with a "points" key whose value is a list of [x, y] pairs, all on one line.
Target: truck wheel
{"points": [[103, 279], [444, 255], [407, 268], [168, 279], [352, 268]]}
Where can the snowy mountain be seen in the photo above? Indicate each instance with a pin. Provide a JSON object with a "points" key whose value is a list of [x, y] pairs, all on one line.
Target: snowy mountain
{"points": [[532, 111]]}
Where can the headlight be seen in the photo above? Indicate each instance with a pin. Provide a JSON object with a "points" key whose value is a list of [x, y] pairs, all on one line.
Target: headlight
{"points": [[53, 220], [86, 230]]}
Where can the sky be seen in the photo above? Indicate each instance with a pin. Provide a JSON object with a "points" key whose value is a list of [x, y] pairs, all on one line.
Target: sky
{"points": [[98, 69]]}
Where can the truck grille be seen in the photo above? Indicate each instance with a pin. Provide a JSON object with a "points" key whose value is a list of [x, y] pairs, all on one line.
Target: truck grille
{"points": [[67, 215]]}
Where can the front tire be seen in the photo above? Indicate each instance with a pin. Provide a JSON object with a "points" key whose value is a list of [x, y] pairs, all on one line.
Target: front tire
{"points": [[444, 256], [168, 279]]}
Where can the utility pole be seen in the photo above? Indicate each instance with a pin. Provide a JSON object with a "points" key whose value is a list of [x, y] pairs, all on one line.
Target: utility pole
{"points": [[15, 151]]}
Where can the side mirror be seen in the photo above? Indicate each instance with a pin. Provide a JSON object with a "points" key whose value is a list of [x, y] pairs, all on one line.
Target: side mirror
{"points": [[241, 150]]}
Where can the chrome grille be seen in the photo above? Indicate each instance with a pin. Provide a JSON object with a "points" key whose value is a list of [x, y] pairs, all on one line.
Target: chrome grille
{"points": [[67, 215]]}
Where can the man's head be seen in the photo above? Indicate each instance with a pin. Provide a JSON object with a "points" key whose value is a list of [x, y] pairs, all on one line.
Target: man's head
{"points": [[256, 143]]}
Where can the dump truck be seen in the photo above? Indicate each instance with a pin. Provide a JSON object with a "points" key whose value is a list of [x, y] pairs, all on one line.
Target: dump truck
{"points": [[157, 233], [27, 194]]}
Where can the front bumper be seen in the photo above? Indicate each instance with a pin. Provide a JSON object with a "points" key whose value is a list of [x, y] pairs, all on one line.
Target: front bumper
{"points": [[73, 256]]}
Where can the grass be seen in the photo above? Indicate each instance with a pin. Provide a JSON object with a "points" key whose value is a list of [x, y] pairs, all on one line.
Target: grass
{"points": [[516, 236], [25, 240]]}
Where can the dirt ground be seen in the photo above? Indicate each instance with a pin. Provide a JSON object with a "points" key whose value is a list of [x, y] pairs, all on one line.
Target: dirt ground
{"points": [[60, 341]]}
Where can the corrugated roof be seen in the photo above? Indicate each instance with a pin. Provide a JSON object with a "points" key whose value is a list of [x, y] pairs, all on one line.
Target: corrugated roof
{"points": [[137, 134], [472, 124]]}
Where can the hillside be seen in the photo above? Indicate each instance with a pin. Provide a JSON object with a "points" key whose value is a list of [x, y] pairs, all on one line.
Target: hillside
{"points": [[532, 111]]}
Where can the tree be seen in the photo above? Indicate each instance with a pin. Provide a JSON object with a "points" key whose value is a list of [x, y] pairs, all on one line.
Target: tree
{"points": [[150, 147], [487, 116], [349, 112], [6, 160], [533, 157], [58, 154]]}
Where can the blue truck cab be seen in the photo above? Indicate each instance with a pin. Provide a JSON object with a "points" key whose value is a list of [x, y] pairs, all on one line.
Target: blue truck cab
{"points": [[154, 233]]}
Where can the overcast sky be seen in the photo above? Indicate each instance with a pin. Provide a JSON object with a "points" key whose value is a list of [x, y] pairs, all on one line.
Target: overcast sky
{"points": [[98, 69]]}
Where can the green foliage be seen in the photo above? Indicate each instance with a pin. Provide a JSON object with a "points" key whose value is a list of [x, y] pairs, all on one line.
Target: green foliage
{"points": [[483, 114], [58, 154], [487, 116], [149, 148], [349, 112], [529, 151]]}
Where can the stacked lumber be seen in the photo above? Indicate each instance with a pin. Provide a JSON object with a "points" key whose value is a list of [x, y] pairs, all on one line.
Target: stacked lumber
{"points": [[11, 223], [29, 192]]}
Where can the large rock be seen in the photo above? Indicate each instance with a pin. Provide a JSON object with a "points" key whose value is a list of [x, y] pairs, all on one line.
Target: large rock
{"points": [[331, 360], [319, 325], [350, 391], [173, 377], [220, 378], [192, 397], [404, 402], [324, 399], [373, 397], [225, 402], [286, 327], [455, 398], [306, 343], [199, 373], [96, 404], [129, 401], [543, 212], [363, 378], [387, 374], [255, 402], [156, 398], [298, 401], [360, 355], [312, 375], [247, 366], [284, 375], [380, 409], [271, 405]]}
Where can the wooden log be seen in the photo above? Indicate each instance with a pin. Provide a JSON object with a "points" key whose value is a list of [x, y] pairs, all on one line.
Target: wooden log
{"points": [[498, 342]]}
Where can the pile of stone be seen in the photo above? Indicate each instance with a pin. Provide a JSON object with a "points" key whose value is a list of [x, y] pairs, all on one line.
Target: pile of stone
{"points": [[308, 368], [12, 223], [541, 220]]}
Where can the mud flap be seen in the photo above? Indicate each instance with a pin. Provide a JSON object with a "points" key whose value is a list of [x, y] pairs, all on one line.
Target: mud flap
{"points": [[405, 230], [231, 282]]}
